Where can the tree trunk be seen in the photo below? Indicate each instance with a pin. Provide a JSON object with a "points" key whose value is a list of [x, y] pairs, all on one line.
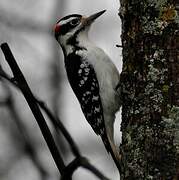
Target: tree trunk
{"points": [[150, 90]]}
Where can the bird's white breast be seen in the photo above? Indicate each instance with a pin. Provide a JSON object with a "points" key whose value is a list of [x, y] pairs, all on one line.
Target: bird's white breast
{"points": [[107, 75]]}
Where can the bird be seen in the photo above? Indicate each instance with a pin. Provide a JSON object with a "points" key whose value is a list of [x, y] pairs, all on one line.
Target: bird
{"points": [[92, 75]]}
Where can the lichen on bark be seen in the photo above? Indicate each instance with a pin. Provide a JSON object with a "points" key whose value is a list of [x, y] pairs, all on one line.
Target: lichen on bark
{"points": [[150, 89]]}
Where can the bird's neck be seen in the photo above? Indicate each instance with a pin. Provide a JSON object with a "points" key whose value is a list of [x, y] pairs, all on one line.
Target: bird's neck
{"points": [[83, 40], [76, 43]]}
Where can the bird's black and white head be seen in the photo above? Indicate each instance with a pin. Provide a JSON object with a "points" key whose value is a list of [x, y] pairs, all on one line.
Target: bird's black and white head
{"points": [[72, 30]]}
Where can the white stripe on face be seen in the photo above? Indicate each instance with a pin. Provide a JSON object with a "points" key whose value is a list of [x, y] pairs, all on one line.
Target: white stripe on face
{"points": [[61, 23]]}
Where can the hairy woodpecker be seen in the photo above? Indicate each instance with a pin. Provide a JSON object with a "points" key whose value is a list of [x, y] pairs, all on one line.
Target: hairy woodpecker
{"points": [[92, 76]]}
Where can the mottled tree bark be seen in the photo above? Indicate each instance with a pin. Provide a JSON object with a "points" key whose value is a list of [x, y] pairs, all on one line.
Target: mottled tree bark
{"points": [[150, 89]]}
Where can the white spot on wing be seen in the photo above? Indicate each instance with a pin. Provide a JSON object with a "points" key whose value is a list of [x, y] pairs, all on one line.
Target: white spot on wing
{"points": [[97, 109], [82, 82], [80, 71], [87, 70], [102, 131], [85, 78], [88, 92], [99, 121], [95, 98], [82, 66]]}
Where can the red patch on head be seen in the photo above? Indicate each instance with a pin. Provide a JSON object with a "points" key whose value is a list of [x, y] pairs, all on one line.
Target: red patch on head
{"points": [[57, 28]]}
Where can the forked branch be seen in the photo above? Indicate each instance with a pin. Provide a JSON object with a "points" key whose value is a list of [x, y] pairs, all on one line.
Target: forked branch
{"points": [[34, 103]]}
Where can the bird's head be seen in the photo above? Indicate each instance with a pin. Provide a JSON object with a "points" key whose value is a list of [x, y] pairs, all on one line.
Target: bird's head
{"points": [[68, 28]]}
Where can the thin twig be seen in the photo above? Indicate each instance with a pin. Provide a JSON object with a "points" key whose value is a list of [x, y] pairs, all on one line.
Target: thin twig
{"points": [[56, 122], [26, 139], [81, 162], [59, 126], [22, 84]]}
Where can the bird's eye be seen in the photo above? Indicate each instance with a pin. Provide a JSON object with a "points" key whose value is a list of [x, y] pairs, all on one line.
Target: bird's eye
{"points": [[75, 22]]}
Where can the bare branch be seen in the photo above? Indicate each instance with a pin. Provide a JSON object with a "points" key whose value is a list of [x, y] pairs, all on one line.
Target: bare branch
{"points": [[56, 122], [81, 162], [24, 136], [22, 84], [59, 126]]}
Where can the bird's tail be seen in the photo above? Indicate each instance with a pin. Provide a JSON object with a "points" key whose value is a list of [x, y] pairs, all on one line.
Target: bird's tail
{"points": [[112, 149]]}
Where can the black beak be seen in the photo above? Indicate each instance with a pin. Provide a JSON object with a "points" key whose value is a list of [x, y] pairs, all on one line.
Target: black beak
{"points": [[95, 16], [88, 20]]}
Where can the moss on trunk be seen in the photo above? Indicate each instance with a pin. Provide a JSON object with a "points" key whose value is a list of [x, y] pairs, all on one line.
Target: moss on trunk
{"points": [[150, 89]]}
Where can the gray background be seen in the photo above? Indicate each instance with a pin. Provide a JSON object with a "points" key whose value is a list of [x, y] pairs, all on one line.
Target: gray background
{"points": [[27, 25]]}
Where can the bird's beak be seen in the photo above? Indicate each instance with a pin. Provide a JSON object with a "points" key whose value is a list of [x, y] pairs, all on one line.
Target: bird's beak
{"points": [[88, 20]]}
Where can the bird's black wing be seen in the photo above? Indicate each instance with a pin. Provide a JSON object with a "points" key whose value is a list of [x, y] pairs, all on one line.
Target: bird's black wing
{"points": [[84, 83]]}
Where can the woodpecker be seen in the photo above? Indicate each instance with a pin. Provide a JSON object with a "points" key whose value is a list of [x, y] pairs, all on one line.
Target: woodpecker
{"points": [[92, 76]]}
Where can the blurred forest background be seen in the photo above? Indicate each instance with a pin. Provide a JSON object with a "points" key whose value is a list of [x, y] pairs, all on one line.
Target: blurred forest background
{"points": [[27, 25]]}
